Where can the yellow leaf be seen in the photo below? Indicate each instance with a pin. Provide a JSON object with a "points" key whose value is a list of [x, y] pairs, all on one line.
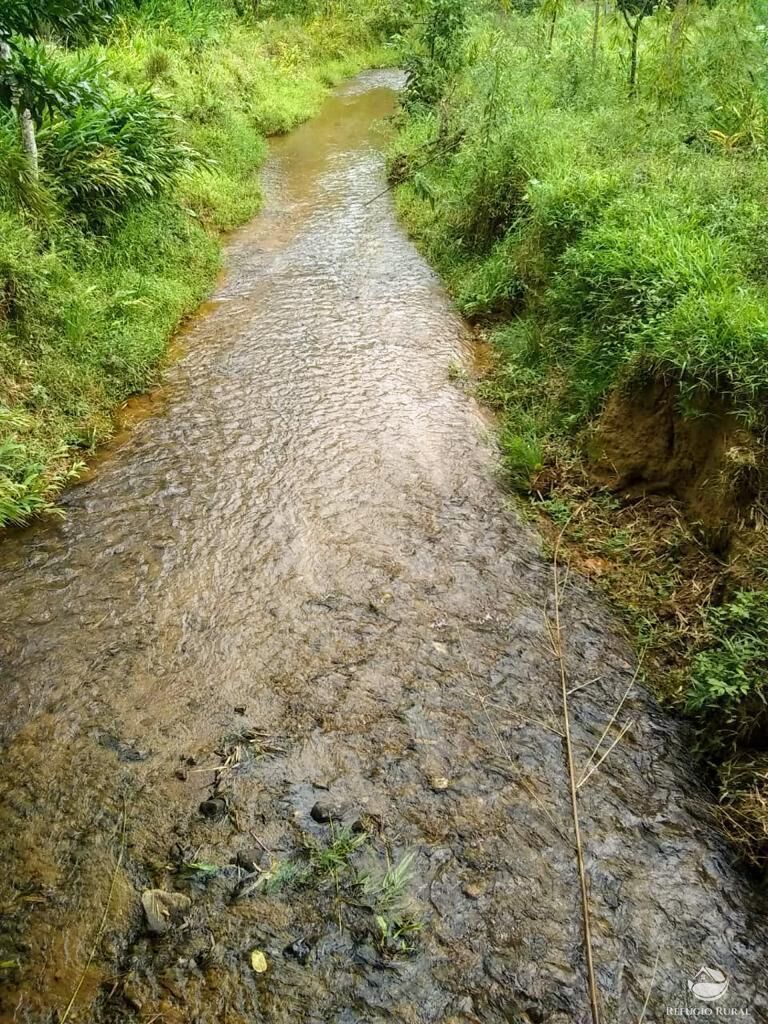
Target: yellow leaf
{"points": [[258, 961]]}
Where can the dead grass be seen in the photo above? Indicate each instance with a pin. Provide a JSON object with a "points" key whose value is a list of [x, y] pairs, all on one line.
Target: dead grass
{"points": [[658, 573]]}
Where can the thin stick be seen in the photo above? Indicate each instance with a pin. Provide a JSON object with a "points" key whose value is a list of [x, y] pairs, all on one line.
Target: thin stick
{"points": [[103, 922], [650, 989], [596, 765], [514, 714], [436, 156], [591, 979], [613, 717], [519, 777], [575, 689]]}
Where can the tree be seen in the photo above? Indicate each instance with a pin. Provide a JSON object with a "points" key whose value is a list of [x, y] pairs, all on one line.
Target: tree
{"points": [[32, 83], [634, 13]]}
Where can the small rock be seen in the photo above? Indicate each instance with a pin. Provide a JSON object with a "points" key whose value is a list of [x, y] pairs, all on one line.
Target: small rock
{"points": [[473, 890], [214, 808], [161, 908], [239, 709], [248, 860], [134, 992], [181, 774], [299, 950], [325, 812], [439, 783]]}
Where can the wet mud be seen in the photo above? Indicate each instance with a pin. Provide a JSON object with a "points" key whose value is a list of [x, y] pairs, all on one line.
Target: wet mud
{"points": [[288, 657]]}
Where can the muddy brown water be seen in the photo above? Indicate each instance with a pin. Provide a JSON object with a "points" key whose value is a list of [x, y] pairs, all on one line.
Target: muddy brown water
{"points": [[301, 561]]}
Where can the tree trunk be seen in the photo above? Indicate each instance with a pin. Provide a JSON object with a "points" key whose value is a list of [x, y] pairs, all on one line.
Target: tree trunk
{"points": [[29, 140], [635, 40], [595, 31], [26, 121], [552, 24], [677, 37]]}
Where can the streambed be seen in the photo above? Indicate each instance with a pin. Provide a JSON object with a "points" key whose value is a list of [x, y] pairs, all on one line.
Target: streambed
{"points": [[300, 568]]}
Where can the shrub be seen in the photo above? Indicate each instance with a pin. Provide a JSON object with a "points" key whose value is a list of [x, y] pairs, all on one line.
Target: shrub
{"points": [[729, 675], [121, 151]]}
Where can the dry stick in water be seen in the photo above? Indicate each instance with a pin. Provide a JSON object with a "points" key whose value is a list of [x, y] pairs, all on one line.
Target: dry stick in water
{"points": [[589, 767], [103, 922], [650, 989], [558, 642]]}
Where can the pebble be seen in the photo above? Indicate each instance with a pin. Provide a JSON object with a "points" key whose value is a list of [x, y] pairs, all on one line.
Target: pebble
{"points": [[161, 908], [299, 950], [214, 808], [249, 860], [324, 812]]}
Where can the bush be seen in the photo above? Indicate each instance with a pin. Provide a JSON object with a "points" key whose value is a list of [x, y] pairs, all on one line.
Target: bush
{"points": [[729, 675], [105, 158]]}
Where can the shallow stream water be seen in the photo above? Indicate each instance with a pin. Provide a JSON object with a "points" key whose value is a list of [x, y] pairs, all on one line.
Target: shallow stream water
{"points": [[300, 566]]}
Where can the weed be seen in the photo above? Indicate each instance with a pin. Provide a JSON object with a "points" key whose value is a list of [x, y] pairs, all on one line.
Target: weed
{"points": [[332, 858], [729, 673], [285, 874], [395, 916]]}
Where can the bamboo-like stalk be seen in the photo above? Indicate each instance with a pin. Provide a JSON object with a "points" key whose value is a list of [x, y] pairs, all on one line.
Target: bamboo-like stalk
{"points": [[586, 915]]}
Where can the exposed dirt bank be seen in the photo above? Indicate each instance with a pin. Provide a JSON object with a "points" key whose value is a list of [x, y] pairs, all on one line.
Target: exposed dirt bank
{"points": [[644, 445], [303, 573]]}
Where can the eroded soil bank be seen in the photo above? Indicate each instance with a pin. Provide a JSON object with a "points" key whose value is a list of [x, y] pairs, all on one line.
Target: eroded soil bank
{"points": [[303, 570]]}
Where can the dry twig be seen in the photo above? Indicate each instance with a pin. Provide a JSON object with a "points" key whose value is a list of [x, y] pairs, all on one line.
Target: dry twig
{"points": [[557, 640]]}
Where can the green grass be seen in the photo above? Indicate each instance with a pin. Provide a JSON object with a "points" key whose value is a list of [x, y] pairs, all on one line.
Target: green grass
{"points": [[87, 306], [606, 244], [622, 239]]}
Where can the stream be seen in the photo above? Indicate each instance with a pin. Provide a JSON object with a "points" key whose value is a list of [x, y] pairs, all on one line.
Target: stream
{"points": [[298, 568]]}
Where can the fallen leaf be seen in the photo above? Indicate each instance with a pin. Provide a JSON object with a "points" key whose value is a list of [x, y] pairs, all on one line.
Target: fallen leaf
{"points": [[258, 961]]}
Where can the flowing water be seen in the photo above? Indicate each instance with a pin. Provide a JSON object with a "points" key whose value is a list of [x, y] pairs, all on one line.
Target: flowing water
{"points": [[299, 565]]}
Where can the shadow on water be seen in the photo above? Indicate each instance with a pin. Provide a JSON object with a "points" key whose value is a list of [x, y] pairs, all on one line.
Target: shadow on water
{"points": [[299, 568]]}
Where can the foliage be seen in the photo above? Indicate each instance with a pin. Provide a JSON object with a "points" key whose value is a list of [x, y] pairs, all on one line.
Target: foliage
{"points": [[437, 54], [729, 674], [116, 241], [66, 19], [46, 84], [120, 151]]}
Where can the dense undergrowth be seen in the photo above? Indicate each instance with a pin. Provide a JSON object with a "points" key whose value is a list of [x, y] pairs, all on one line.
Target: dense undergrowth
{"points": [[150, 137], [608, 235]]}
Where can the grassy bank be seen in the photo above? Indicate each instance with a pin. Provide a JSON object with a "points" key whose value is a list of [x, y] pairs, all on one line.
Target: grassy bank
{"points": [[119, 238], [607, 236]]}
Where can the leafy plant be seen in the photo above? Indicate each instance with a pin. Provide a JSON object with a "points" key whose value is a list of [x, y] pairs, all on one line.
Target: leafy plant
{"points": [[123, 150], [430, 67], [730, 674], [332, 857]]}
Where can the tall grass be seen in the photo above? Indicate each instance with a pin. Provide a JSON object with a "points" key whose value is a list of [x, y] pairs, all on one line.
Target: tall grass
{"points": [[612, 237], [627, 231], [119, 239]]}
